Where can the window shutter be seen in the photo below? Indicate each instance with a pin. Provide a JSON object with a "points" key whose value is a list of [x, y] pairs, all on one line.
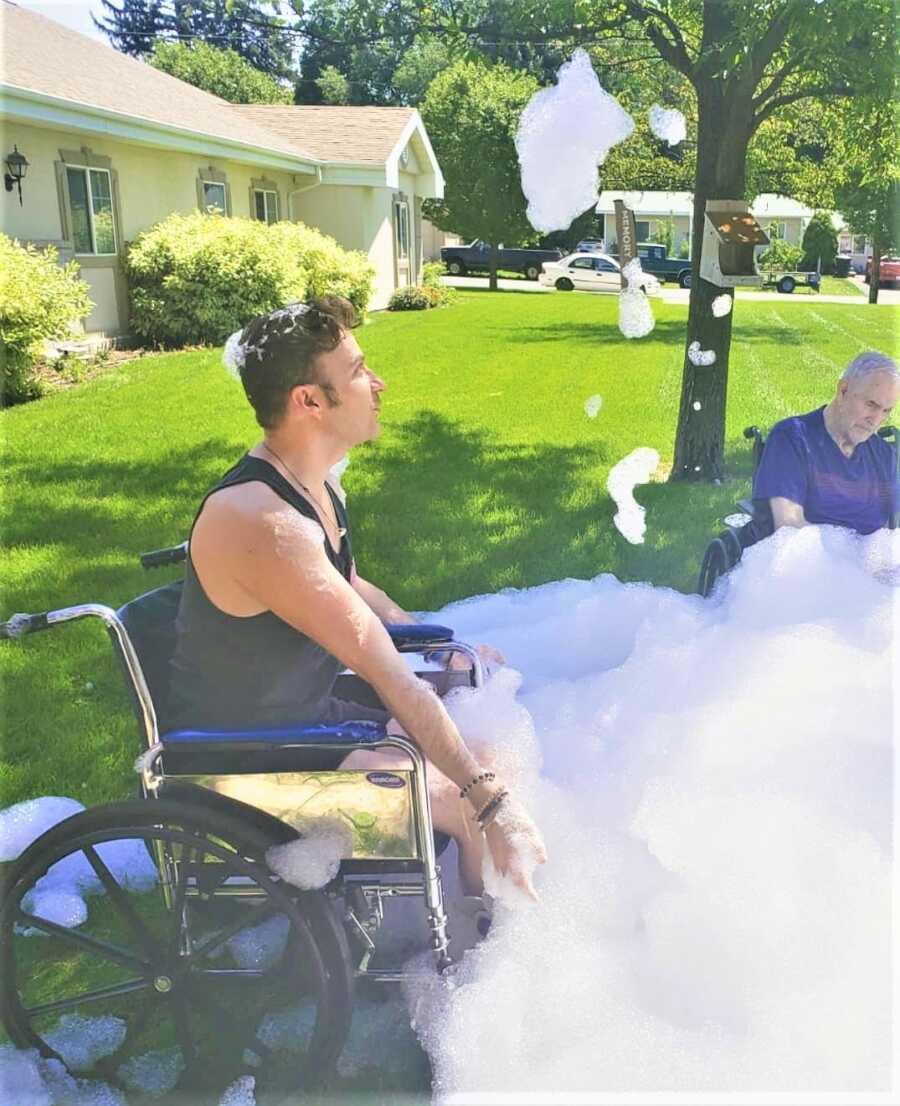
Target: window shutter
{"points": [[62, 192]]}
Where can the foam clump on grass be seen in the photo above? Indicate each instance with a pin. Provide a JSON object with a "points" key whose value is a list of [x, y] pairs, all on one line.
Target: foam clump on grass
{"points": [[623, 478], [153, 1074], [592, 406], [313, 860], [716, 797], [240, 1093], [260, 947], [27, 1079], [59, 895], [565, 133], [81, 1042]]}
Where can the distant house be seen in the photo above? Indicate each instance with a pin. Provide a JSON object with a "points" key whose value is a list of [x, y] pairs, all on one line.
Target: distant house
{"points": [[653, 210], [114, 146]]}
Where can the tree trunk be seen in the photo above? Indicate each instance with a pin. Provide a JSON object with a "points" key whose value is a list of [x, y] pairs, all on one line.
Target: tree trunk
{"points": [[875, 275], [724, 130], [492, 271]]}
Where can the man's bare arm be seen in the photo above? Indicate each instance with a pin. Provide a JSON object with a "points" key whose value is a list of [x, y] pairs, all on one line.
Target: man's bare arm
{"points": [[380, 602], [785, 512]]}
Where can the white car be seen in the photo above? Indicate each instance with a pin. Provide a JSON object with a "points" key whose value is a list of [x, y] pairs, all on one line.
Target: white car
{"points": [[592, 272]]}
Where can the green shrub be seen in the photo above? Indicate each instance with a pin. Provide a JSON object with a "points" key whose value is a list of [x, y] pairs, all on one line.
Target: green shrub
{"points": [[780, 255], [194, 279], [419, 297], [39, 299], [432, 274], [820, 243]]}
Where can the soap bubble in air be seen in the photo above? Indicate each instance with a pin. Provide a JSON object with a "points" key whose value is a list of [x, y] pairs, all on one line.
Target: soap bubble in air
{"points": [[667, 124], [636, 468], [635, 313], [564, 135]]}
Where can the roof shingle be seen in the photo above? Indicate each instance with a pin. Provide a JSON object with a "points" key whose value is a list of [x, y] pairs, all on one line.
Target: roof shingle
{"points": [[334, 134]]}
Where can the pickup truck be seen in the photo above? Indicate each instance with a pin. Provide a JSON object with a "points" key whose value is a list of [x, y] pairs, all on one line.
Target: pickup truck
{"points": [[655, 260], [476, 258]]}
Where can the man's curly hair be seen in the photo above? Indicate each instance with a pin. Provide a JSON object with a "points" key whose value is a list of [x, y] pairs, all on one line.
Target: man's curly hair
{"points": [[280, 351]]}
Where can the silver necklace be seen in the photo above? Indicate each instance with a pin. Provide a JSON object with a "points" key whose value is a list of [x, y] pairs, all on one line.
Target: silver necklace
{"points": [[340, 530]]}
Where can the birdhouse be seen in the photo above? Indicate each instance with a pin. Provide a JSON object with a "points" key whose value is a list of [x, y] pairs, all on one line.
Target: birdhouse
{"points": [[729, 234]]}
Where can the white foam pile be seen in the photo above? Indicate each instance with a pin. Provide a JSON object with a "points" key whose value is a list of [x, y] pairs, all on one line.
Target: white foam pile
{"points": [[636, 468], [715, 792], [313, 860], [667, 124], [700, 357], [721, 305], [81, 1042], [592, 406], [257, 948], [240, 1093], [635, 313], [59, 895], [564, 135], [740, 518], [153, 1074], [26, 1079]]}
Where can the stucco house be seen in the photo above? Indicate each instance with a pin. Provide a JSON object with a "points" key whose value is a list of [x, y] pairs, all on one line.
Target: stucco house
{"points": [[113, 146], [652, 210]]}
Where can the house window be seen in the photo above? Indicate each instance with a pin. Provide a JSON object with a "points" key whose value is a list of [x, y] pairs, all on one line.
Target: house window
{"points": [[265, 205], [214, 198], [90, 201], [777, 230], [642, 229], [859, 243], [401, 209]]}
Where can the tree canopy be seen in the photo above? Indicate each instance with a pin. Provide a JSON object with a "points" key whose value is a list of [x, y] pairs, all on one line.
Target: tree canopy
{"points": [[471, 112], [221, 72]]}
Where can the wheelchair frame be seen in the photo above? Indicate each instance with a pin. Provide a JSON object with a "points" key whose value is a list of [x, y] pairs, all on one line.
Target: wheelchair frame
{"points": [[364, 885]]}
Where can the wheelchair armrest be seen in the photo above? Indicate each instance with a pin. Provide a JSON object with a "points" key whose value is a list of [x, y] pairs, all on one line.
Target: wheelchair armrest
{"points": [[746, 505], [415, 636], [345, 733]]}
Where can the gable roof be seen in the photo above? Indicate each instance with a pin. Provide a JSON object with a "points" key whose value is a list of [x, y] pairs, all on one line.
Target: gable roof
{"points": [[49, 62], [354, 135]]}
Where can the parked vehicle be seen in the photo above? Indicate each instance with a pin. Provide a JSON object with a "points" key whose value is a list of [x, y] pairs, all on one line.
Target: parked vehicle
{"points": [[593, 272], [786, 280], [655, 259], [591, 245], [889, 272], [476, 258]]}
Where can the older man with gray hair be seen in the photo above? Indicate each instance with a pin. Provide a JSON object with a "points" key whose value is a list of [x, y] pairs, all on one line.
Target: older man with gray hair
{"points": [[830, 466]]}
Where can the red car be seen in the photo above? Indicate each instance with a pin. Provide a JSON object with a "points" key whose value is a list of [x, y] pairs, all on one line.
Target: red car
{"points": [[889, 274]]}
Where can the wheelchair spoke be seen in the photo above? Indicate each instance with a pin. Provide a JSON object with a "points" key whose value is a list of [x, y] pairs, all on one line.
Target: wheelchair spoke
{"points": [[120, 899], [253, 917], [126, 988], [94, 944]]}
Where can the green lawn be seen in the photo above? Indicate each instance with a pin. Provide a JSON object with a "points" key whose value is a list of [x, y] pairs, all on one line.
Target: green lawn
{"points": [[488, 475]]}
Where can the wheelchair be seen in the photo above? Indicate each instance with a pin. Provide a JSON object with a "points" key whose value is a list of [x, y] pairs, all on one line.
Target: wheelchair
{"points": [[198, 955], [727, 548]]}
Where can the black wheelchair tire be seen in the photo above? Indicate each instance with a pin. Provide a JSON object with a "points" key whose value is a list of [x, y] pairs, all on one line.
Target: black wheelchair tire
{"points": [[316, 933]]}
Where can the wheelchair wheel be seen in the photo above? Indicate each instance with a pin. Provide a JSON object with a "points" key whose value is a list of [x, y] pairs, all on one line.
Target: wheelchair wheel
{"points": [[203, 963]]}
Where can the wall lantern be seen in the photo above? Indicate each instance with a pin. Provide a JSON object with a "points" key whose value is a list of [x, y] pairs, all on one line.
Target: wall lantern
{"points": [[17, 167]]}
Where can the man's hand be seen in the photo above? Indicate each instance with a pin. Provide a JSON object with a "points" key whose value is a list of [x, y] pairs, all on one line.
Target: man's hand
{"points": [[515, 846], [786, 513]]}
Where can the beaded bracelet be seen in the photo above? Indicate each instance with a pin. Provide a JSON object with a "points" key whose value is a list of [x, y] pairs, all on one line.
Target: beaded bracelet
{"points": [[486, 815], [485, 777]]}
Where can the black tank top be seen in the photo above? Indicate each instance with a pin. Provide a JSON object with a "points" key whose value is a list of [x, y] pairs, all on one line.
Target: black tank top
{"points": [[244, 673]]}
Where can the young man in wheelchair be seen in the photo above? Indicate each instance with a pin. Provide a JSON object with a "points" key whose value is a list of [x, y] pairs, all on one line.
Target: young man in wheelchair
{"points": [[830, 466], [273, 607]]}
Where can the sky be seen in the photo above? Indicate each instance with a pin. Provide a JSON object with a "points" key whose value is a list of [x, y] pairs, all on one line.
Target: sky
{"points": [[71, 13]]}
